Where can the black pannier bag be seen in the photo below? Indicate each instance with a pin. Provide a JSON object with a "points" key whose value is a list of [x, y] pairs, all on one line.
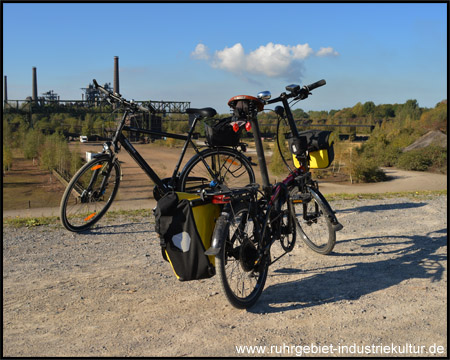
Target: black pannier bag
{"points": [[185, 225], [317, 143], [219, 132]]}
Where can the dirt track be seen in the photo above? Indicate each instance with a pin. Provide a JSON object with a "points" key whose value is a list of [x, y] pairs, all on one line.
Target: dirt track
{"points": [[136, 189], [109, 293]]}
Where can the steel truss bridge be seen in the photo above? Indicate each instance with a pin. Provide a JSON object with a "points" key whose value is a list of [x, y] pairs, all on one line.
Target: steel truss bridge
{"points": [[27, 106]]}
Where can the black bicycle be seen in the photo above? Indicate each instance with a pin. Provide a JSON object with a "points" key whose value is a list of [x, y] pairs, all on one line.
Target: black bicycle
{"points": [[252, 219], [93, 188]]}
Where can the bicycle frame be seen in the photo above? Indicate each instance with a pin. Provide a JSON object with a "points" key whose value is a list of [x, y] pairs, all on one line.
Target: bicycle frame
{"points": [[299, 176], [120, 138]]}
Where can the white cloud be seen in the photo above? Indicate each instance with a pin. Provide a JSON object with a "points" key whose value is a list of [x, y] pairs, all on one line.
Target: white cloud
{"points": [[328, 51], [301, 51], [200, 52], [272, 60], [231, 59]]}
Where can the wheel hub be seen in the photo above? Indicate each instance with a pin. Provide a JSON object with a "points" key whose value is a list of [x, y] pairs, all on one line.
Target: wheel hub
{"points": [[248, 256]]}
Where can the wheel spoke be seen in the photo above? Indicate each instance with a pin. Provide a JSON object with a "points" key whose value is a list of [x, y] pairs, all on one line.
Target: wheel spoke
{"points": [[89, 194], [216, 166], [312, 223], [241, 281]]}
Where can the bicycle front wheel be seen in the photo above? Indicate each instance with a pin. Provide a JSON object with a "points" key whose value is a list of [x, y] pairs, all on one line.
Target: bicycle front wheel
{"points": [[90, 193], [313, 222], [214, 166], [242, 276]]}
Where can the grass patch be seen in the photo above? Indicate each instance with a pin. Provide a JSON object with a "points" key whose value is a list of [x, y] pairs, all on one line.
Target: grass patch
{"points": [[148, 213], [18, 222], [30, 221]]}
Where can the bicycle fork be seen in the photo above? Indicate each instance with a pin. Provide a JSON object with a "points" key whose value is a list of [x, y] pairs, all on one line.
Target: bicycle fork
{"points": [[329, 212]]}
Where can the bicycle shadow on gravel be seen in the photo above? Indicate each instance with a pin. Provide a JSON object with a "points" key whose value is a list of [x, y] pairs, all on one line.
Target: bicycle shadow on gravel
{"points": [[416, 260], [382, 207], [121, 229]]}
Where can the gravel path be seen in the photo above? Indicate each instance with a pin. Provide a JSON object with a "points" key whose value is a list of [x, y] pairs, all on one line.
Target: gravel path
{"points": [[108, 292]]}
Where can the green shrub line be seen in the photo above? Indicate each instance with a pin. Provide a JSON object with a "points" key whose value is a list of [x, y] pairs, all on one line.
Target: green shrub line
{"points": [[29, 222], [420, 195]]}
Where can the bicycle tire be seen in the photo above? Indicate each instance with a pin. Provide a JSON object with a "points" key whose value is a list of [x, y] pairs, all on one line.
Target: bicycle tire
{"points": [[80, 209], [288, 227], [229, 166], [242, 282], [316, 230]]}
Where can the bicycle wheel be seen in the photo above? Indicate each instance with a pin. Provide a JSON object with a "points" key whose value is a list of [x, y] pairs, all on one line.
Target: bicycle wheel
{"points": [[313, 223], [215, 166], [90, 193], [241, 278]]}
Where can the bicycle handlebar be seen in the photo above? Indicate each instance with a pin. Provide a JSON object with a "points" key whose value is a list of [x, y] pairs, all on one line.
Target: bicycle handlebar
{"points": [[315, 85], [297, 92], [115, 97]]}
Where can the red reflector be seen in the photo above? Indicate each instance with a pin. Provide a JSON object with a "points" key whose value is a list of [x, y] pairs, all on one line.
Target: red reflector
{"points": [[248, 126], [235, 127], [220, 199]]}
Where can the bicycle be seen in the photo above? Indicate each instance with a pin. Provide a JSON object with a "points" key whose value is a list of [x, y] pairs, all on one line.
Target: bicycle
{"points": [[252, 219], [94, 186]]}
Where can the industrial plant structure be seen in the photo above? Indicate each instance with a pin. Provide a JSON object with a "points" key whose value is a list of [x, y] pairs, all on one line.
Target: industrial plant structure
{"points": [[90, 97]]}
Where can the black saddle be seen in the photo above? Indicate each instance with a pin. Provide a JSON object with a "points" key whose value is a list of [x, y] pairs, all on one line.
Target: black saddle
{"points": [[204, 112]]}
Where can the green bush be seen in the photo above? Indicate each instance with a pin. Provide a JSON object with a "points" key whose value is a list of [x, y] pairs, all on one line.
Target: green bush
{"points": [[423, 159], [414, 160], [365, 170], [390, 156]]}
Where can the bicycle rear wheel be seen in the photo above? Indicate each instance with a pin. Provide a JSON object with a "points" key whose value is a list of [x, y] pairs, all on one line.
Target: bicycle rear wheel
{"points": [[242, 279], [215, 166], [313, 223], [90, 193]]}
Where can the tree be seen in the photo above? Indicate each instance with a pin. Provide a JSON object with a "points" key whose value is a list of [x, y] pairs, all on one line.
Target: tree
{"points": [[33, 140], [409, 110], [299, 114], [74, 124], [7, 158], [435, 119], [54, 153], [8, 133], [368, 108], [75, 160], [358, 110], [385, 111], [87, 128]]}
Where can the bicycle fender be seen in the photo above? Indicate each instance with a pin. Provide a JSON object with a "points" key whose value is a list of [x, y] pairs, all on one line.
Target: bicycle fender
{"points": [[330, 213], [219, 235]]}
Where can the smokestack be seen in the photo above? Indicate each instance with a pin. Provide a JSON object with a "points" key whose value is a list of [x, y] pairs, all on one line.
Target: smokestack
{"points": [[34, 96], [116, 74], [5, 91]]}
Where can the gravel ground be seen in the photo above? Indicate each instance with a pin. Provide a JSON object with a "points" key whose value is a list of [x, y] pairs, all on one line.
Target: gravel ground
{"points": [[107, 292]]}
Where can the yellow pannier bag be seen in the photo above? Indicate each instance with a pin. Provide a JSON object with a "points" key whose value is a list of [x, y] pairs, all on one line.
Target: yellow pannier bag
{"points": [[317, 159], [185, 224], [317, 144]]}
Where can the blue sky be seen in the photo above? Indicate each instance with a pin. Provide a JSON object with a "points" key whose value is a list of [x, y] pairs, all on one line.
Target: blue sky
{"points": [[207, 53]]}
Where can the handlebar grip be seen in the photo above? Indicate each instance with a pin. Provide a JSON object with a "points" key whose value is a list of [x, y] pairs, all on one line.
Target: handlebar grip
{"points": [[315, 85]]}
